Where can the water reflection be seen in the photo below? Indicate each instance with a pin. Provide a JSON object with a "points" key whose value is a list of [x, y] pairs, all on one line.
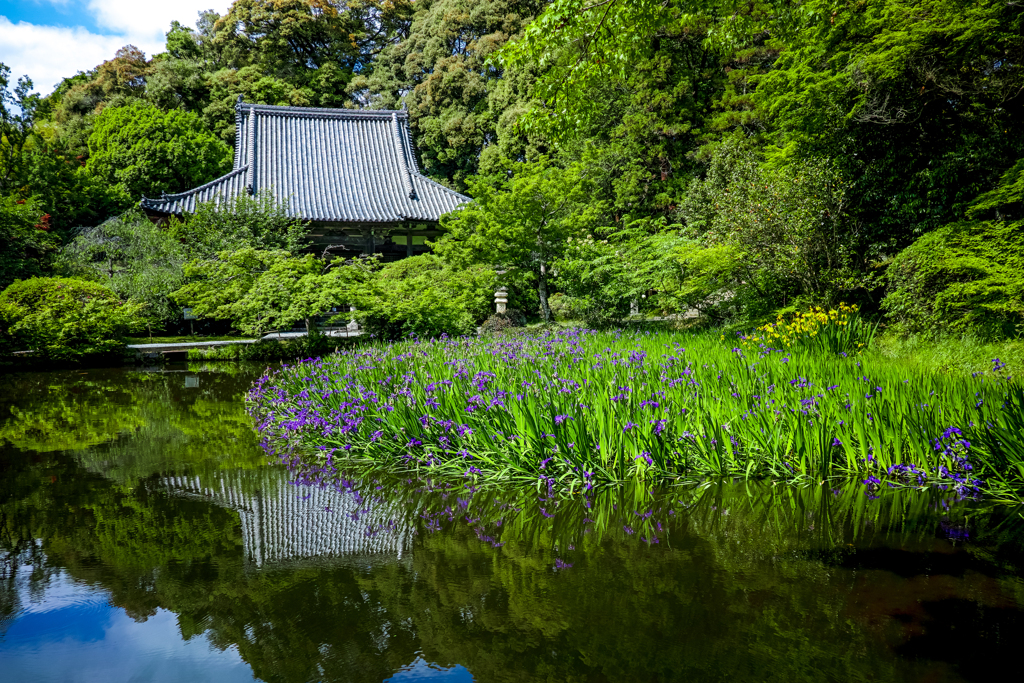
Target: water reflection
{"points": [[142, 535], [282, 522]]}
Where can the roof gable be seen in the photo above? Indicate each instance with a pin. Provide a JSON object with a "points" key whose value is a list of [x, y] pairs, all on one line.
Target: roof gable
{"points": [[332, 165]]}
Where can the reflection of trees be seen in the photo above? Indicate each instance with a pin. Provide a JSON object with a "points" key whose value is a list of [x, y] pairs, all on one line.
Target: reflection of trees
{"points": [[127, 424], [39, 416]]}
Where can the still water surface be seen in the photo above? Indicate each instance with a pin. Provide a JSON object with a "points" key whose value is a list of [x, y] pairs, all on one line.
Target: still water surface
{"points": [[144, 537]]}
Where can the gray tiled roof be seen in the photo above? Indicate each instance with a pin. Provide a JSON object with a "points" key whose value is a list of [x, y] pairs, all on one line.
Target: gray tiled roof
{"points": [[332, 165]]}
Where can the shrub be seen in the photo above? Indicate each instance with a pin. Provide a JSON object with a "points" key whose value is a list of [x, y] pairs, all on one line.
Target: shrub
{"points": [[423, 297], [262, 290], [786, 232], [562, 306], [66, 319], [261, 222], [962, 278], [500, 323]]}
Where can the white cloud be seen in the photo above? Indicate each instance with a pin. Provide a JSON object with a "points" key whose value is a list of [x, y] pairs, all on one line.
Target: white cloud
{"points": [[48, 54], [149, 18]]}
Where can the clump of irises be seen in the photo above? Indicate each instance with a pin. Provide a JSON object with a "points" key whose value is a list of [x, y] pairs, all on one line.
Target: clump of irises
{"points": [[569, 410]]}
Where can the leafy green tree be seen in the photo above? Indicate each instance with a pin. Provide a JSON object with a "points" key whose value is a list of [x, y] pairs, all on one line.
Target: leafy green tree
{"points": [[628, 89], [260, 290], [26, 242], [423, 297], [17, 114], [609, 274], [65, 318], [921, 102], [287, 52], [68, 192], [68, 114], [261, 222], [440, 70], [144, 150], [133, 257], [790, 227], [519, 222]]}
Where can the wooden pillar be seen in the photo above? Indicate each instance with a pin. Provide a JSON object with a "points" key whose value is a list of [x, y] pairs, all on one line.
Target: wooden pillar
{"points": [[370, 247], [408, 240]]}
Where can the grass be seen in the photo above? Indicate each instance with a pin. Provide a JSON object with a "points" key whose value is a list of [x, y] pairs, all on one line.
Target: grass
{"points": [[950, 355], [571, 409]]}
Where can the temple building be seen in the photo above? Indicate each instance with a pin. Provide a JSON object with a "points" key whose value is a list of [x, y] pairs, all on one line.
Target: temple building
{"points": [[351, 173]]}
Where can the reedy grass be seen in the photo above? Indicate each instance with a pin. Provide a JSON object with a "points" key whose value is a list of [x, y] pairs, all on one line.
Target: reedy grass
{"points": [[570, 409]]}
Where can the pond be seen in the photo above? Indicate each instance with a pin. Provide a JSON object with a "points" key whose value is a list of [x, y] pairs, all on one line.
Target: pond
{"points": [[144, 535]]}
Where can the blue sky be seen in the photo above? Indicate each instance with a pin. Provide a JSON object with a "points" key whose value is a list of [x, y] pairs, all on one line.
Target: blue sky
{"points": [[42, 12], [65, 630], [52, 39]]}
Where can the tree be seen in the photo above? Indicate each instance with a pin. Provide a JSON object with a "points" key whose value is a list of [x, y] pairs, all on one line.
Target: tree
{"points": [[519, 222], [26, 241], [146, 151], [440, 71], [790, 226], [65, 190], [286, 52], [920, 102], [17, 114], [71, 109], [261, 222], [609, 273], [134, 258], [65, 318], [424, 297], [259, 290]]}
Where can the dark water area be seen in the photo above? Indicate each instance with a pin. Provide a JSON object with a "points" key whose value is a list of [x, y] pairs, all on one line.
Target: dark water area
{"points": [[144, 536]]}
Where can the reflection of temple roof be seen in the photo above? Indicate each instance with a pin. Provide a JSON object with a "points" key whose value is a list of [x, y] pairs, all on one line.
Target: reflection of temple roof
{"points": [[331, 165], [282, 522]]}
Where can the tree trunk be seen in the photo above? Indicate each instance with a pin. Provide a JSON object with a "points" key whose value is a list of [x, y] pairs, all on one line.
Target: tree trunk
{"points": [[309, 326], [542, 291]]}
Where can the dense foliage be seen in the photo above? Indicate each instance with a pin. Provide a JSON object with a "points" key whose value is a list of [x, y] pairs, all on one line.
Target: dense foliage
{"points": [[263, 290], [423, 297], [133, 257], [142, 150], [627, 156], [26, 243], [64, 318]]}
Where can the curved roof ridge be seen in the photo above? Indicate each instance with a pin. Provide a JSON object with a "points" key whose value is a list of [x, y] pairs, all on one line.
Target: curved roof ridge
{"points": [[439, 185], [326, 112], [186, 193]]}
